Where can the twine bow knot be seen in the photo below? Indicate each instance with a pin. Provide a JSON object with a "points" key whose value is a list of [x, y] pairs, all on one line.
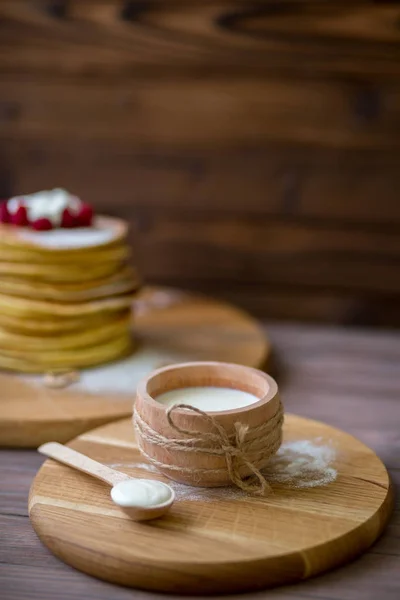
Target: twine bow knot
{"points": [[235, 454]]}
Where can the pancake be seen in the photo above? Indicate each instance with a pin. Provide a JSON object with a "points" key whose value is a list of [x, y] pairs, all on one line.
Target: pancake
{"points": [[126, 280], [112, 253], [104, 231], [59, 273], [46, 326], [24, 308], [65, 296], [45, 361], [78, 339]]}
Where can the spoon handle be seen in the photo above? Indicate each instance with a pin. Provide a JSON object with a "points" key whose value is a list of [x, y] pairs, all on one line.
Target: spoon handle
{"points": [[81, 462]]}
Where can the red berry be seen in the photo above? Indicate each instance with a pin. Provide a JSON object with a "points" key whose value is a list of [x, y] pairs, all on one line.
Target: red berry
{"points": [[85, 215], [42, 225], [20, 217], [68, 219], [4, 214]]}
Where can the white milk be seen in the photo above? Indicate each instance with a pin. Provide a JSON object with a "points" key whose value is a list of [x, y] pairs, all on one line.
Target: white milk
{"points": [[208, 398]]}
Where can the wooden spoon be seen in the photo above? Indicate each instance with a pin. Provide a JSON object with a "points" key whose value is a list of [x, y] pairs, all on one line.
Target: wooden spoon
{"points": [[136, 511]]}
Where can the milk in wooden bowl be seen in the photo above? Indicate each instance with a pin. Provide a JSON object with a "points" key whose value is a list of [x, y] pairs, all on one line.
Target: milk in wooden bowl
{"points": [[209, 424]]}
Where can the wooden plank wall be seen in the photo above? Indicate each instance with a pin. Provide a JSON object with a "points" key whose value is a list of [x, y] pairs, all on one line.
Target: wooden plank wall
{"points": [[255, 144]]}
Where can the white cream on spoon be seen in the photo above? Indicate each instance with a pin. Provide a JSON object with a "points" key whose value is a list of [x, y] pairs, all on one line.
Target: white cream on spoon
{"points": [[140, 499], [146, 493]]}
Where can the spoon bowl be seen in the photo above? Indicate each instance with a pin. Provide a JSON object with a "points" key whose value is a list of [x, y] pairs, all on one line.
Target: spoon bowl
{"points": [[135, 511], [140, 513], [144, 513]]}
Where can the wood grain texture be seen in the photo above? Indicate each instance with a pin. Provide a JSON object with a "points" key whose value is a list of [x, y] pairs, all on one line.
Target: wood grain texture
{"points": [[81, 462], [187, 326], [358, 188], [229, 112], [270, 253], [324, 371], [220, 111], [203, 547], [308, 304], [121, 37]]}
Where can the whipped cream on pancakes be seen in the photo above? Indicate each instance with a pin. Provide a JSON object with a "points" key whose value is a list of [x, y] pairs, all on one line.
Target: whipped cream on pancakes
{"points": [[62, 239], [46, 210], [66, 289]]}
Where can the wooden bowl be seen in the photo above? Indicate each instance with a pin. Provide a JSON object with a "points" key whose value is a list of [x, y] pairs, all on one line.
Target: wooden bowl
{"points": [[191, 467]]}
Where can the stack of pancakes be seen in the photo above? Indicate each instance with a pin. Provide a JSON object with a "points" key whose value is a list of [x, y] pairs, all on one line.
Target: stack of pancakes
{"points": [[65, 296]]}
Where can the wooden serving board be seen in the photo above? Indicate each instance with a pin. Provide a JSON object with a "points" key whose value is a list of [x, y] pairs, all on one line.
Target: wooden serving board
{"points": [[171, 326], [207, 545]]}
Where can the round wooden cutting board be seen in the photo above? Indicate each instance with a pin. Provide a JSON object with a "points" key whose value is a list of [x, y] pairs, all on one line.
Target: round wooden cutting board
{"points": [[212, 541], [171, 326]]}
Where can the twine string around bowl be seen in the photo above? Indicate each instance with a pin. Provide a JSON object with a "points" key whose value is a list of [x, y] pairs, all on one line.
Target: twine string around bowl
{"points": [[249, 446]]}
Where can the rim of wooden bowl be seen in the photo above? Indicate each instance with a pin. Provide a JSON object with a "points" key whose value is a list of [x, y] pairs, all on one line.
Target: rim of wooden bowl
{"points": [[249, 372]]}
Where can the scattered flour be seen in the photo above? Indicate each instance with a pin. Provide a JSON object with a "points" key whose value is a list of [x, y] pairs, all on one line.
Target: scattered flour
{"points": [[302, 464], [187, 492], [119, 377], [297, 464], [159, 299]]}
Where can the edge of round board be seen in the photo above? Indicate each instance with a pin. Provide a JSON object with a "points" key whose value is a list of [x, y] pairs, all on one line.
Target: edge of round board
{"points": [[169, 321], [227, 545]]}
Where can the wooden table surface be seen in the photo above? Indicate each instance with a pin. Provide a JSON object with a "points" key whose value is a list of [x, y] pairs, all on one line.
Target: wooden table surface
{"points": [[347, 378]]}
